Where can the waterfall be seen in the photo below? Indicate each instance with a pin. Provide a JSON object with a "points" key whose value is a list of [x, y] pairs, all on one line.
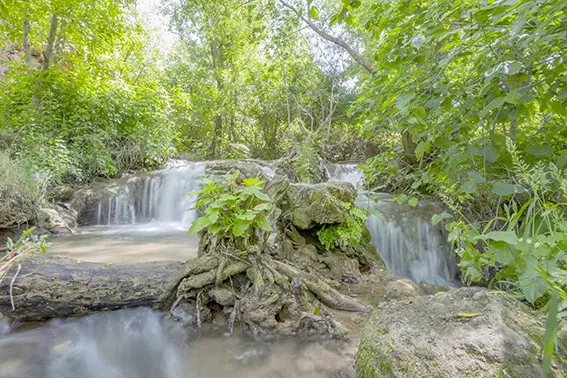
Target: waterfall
{"points": [[403, 235], [162, 196]]}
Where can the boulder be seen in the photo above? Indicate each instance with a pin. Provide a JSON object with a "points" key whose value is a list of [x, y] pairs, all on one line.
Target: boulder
{"points": [[310, 205], [467, 332], [58, 220]]}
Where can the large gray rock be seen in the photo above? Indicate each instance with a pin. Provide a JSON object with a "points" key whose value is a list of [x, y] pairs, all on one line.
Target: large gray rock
{"points": [[309, 205], [466, 332], [61, 219]]}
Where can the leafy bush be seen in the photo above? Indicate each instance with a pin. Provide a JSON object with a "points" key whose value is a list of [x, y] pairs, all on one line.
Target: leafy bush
{"points": [[346, 234], [527, 244], [232, 208], [20, 194]]}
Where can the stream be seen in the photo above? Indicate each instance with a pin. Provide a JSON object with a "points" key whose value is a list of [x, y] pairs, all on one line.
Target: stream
{"points": [[145, 218]]}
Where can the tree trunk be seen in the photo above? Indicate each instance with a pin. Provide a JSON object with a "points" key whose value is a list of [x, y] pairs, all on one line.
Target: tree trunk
{"points": [[27, 43], [48, 53], [62, 287], [409, 147]]}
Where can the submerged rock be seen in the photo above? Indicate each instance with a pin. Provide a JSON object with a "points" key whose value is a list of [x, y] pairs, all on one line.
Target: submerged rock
{"points": [[466, 332]]}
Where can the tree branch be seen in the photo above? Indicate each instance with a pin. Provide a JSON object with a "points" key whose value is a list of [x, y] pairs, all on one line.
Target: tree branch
{"points": [[367, 65]]}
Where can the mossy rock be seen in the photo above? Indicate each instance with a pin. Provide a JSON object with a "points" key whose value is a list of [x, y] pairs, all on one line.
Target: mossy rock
{"points": [[312, 205], [466, 332]]}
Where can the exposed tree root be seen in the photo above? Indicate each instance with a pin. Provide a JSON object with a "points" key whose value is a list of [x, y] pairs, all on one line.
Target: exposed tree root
{"points": [[268, 295]]}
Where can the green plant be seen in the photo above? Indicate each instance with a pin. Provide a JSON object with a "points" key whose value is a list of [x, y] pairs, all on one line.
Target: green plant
{"points": [[21, 194], [345, 234], [27, 247], [307, 161], [231, 208], [527, 244]]}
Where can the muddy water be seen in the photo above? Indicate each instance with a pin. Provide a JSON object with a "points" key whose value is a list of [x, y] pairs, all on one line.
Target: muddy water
{"points": [[140, 343], [127, 243]]}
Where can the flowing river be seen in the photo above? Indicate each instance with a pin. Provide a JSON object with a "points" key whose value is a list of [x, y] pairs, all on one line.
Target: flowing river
{"points": [[145, 218]]}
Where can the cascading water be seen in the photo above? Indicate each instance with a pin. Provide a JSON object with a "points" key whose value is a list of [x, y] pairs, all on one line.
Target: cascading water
{"points": [[404, 236], [162, 196]]}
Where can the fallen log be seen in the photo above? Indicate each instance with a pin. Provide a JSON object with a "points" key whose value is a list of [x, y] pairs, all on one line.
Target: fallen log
{"points": [[58, 287]]}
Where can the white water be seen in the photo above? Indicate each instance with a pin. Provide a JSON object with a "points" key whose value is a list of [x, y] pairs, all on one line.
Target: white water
{"points": [[162, 196], [140, 343], [404, 236]]}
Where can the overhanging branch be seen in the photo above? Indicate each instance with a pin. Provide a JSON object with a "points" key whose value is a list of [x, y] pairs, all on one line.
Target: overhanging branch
{"points": [[367, 65]]}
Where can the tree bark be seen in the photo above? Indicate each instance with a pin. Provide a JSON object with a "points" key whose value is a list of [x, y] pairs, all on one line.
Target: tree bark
{"points": [[60, 287], [48, 53], [27, 43]]}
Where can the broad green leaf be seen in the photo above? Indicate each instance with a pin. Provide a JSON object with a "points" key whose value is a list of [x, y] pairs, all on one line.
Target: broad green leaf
{"points": [[198, 224], [469, 187], [513, 67], [503, 189], [476, 176], [240, 226], [505, 236], [255, 191], [532, 284], [558, 108], [421, 148], [540, 150], [263, 206], [494, 104], [413, 202], [403, 99], [438, 218], [250, 181], [514, 97], [264, 224], [247, 215]]}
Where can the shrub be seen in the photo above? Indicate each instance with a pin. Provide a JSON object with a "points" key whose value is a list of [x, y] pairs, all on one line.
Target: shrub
{"points": [[20, 193], [346, 234], [232, 209]]}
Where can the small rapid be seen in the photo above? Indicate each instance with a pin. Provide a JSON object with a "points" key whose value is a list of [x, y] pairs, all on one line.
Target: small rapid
{"points": [[143, 343], [403, 235], [161, 196]]}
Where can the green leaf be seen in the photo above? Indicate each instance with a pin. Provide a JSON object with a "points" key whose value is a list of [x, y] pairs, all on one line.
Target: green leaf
{"points": [[532, 284], [494, 104], [263, 206], [513, 67], [413, 202], [403, 99], [469, 187], [558, 108], [264, 224], [540, 150], [313, 13], [247, 215], [254, 190], [514, 97], [250, 181], [199, 224], [240, 226], [503, 189], [421, 148], [505, 236], [476, 176], [438, 218]]}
